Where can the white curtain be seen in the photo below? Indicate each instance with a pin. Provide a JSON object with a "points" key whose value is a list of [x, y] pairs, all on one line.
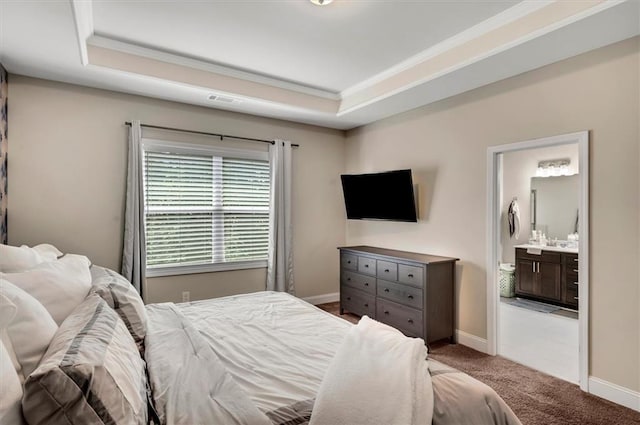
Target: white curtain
{"points": [[280, 261], [134, 249]]}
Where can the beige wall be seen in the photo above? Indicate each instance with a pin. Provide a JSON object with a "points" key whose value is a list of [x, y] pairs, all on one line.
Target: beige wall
{"points": [[67, 181], [446, 146], [68, 152], [517, 169]]}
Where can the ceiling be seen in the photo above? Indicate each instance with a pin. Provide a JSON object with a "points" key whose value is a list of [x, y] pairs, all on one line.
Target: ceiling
{"points": [[331, 48], [340, 66]]}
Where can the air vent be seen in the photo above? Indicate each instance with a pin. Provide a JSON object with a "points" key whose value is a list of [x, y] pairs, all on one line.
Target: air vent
{"points": [[223, 99]]}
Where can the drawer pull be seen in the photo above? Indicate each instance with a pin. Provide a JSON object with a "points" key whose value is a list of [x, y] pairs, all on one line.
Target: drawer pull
{"points": [[410, 275], [575, 259], [575, 270], [386, 289], [366, 305], [366, 284], [575, 298], [410, 321], [386, 312], [349, 262], [366, 266], [386, 270], [410, 297], [348, 298], [576, 283]]}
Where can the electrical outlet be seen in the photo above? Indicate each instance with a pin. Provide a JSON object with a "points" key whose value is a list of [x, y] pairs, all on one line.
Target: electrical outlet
{"points": [[186, 296]]}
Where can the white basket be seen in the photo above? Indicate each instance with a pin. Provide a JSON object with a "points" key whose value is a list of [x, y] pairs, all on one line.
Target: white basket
{"points": [[507, 280]]}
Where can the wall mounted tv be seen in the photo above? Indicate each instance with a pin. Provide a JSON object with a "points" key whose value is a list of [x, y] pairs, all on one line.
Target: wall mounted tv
{"points": [[380, 196]]}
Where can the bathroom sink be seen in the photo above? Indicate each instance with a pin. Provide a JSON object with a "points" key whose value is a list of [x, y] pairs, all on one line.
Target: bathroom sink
{"points": [[569, 248]]}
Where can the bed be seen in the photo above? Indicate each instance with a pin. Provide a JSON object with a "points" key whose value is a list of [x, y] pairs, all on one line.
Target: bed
{"points": [[258, 359], [277, 349]]}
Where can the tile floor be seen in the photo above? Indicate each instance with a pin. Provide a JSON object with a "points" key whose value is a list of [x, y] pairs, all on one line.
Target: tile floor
{"points": [[543, 341]]}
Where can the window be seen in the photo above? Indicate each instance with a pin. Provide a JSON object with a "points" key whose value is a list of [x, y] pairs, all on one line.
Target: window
{"points": [[206, 209]]}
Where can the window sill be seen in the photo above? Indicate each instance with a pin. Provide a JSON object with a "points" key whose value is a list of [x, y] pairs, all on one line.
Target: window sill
{"points": [[205, 268]]}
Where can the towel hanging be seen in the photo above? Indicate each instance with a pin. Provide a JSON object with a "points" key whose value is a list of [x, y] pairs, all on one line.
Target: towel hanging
{"points": [[513, 217]]}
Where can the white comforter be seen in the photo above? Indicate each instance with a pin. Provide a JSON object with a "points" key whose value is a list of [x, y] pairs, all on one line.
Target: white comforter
{"points": [[276, 346], [189, 383], [249, 358]]}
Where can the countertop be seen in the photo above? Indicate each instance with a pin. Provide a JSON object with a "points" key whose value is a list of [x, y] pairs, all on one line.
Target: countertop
{"points": [[548, 248], [392, 253]]}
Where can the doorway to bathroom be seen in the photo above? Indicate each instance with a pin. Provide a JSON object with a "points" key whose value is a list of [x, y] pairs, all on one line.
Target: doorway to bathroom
{"points": [[537, 281]]}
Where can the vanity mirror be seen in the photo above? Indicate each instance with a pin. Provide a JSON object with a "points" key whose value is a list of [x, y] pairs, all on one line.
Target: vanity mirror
{"points": [[554, 205]]}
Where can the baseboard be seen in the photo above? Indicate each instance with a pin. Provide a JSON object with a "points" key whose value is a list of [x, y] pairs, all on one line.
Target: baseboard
{"points": [[323, 299], [472, 341], [615, 393]]}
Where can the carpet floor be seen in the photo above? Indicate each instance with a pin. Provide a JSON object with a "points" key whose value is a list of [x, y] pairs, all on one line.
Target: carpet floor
{"points": [[536, 398]]}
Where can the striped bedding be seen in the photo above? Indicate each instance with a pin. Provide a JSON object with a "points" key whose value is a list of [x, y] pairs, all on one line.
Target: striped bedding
{"points": [[92, 373], [123, 298]]}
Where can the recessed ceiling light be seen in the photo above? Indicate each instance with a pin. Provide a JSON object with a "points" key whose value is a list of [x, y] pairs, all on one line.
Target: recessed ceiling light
{"points": [[321, 2]]}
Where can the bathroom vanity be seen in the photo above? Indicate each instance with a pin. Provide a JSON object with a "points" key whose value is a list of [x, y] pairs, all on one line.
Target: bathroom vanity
{"points": [[547, 274]]}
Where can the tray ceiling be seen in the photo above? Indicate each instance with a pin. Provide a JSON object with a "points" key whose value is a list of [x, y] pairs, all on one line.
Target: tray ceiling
{"points": [[341, 66]]}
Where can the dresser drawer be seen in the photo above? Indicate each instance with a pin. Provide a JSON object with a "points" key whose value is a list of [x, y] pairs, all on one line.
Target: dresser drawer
{"points": [[571, 297], [408, 320], [572, 283], [411, 275], [571, 277], [570, 260], [357, 302], [367, 265], [349, 262], [358, 281], [571, 270], [387, 270], [403, 294]]}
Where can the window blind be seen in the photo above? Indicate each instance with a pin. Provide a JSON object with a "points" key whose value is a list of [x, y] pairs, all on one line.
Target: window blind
{"points": [[205, 209]]}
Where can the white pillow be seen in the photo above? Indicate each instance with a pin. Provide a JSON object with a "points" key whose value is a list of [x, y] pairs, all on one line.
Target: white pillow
{"points": [[28, 332], [15, 259], [10, 391], [59, 285]]}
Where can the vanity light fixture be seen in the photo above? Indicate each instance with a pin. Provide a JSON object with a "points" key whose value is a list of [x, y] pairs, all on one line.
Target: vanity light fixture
{"points": [[321, 2], [554, 167]]}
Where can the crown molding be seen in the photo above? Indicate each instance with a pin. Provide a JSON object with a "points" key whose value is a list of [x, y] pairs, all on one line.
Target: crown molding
{"points": [[83, 20], [449, 68], [110, 43], [501, 19], [462, 38], [86, 35]]}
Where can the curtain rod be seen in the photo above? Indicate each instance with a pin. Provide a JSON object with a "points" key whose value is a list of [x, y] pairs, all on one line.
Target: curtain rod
{"points": [[221, 136]]}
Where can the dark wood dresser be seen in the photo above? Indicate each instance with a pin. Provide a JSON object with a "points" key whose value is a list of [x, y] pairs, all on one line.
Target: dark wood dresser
{"points": [[409, 291], [550, 277]]}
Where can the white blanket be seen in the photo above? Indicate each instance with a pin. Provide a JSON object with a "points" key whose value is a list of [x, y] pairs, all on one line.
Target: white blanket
{"points": [[378, 376]]}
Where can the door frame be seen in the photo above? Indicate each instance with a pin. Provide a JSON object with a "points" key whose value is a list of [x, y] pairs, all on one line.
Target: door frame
{"points": [[494, 247]]}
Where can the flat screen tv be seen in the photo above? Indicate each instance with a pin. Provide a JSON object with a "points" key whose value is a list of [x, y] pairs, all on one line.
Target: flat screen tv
{"points": [[380, 196]]}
